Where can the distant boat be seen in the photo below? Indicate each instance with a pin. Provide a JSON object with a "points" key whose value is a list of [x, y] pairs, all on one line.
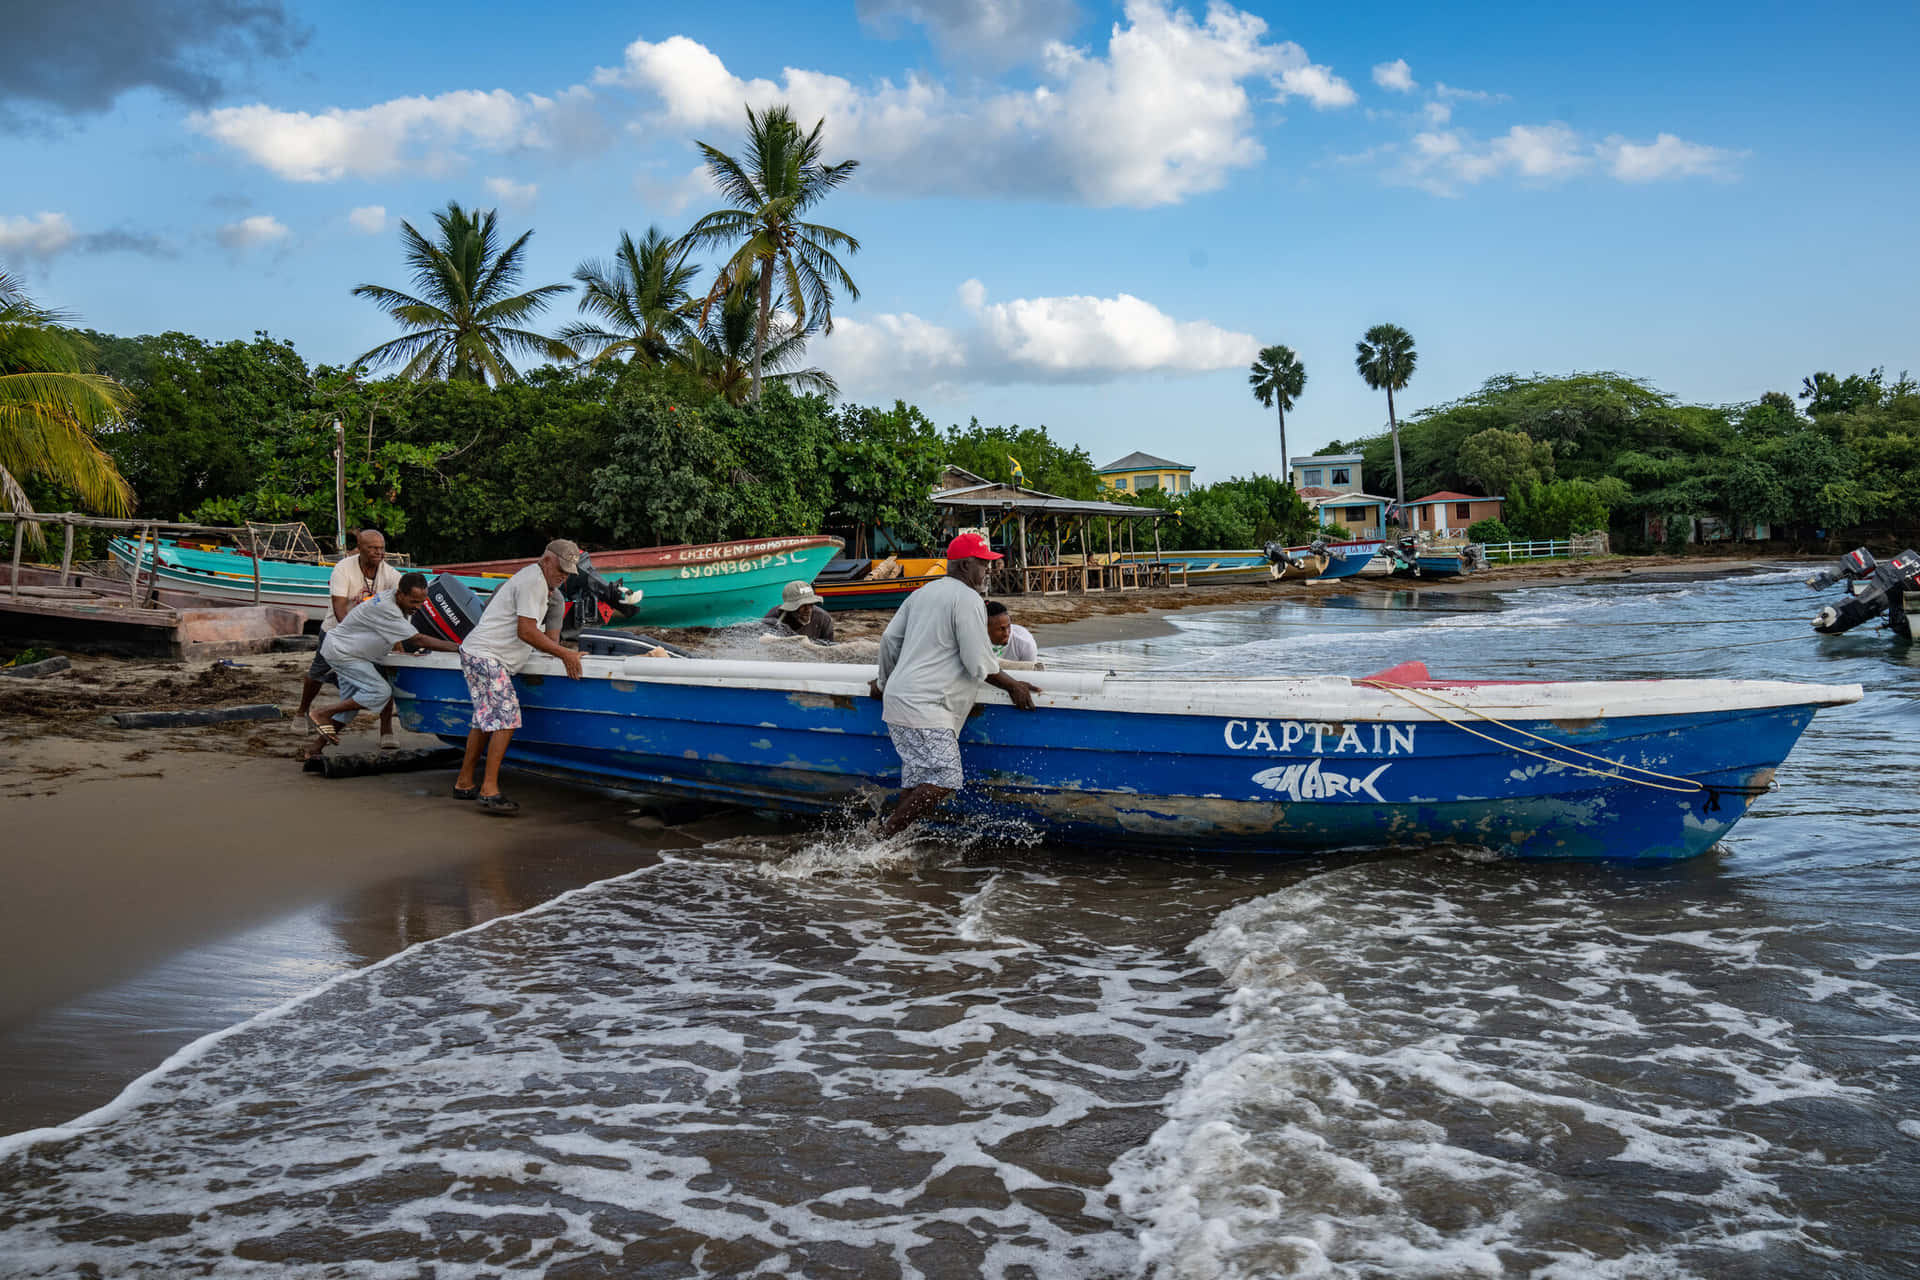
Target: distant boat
{"points": [[850, 584], [226, 574], [1220, 568], [1638, 769], [1322, 561], [714, 584], [1434, 560]]}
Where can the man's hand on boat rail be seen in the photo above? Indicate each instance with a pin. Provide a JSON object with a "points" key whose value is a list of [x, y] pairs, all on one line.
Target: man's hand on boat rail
{"points": [[1018, 690]]}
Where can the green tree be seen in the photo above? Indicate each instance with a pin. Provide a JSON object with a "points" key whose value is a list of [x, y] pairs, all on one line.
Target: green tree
{"points": [[52, 404], [1505, 461], [1385, 358], [463, 322], [882, 470], [669, 476], [1827, 394], [640, 304], [782, 178], [1561, 508], [723, 355], [1063, 470], [1278, 378]]}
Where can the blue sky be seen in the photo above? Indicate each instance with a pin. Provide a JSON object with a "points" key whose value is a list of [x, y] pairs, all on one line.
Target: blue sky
{"points": [[1077, 214]]}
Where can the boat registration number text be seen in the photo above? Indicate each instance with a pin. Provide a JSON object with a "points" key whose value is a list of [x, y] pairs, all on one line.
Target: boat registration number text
{"points": [[720, 568]]}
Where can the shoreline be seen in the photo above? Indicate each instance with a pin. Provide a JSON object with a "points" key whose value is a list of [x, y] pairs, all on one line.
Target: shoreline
{"points": [[169, 882]]}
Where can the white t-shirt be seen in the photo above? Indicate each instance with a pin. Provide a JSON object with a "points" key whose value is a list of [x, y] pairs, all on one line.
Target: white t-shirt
{"points": [[350, 580], [934, 656], [497, 634], [370, 630], [1020, 646]]}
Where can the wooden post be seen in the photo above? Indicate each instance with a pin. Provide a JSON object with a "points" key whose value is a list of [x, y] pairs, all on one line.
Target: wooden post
{"points": [[19, 539], [1086, 558], [1022, 518], [66, 551], [253, 545], [133, 575]]}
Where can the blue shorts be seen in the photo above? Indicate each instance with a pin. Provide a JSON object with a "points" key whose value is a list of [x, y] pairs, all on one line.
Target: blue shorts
{"points": [[362, 682]]}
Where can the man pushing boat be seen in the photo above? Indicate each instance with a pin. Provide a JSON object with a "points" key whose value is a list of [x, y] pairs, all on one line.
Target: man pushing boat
{"points": [[934, 656]]}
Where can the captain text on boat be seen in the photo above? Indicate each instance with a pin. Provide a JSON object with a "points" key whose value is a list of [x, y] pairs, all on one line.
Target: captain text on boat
{"points": [[497, 647], [934, 656], [371, 630], [355, 578]]}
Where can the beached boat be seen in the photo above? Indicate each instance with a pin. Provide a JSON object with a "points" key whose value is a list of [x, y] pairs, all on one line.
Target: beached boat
{"points": [[714, 584], [711, 585], [1412, 559], [1223, 567], [1625, 769], [1324, 561], [851, 584]]}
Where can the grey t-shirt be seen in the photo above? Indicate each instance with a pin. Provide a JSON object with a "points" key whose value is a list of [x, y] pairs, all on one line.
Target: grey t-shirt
{"points": [[934, 656], [370, 630]]}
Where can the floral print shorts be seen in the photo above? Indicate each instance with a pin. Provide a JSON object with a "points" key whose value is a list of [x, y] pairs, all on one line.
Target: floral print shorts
{"points": [[495, 704], [928, 757]]}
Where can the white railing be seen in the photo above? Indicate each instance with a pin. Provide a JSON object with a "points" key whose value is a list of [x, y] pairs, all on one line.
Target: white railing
{"points": [[1508, 552]]}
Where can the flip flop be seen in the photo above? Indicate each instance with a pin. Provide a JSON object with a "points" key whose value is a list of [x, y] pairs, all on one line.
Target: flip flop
{"points": [[388, 742], [325, 731], [466, 793], [498, 806]]}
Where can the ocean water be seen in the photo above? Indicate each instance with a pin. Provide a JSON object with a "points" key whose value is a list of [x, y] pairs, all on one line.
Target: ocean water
{"points": [[799, 1053]]}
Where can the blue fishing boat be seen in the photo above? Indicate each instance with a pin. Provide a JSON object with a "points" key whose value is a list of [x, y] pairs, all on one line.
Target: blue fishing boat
{"points": [[1638, 770], [1323, 561]]}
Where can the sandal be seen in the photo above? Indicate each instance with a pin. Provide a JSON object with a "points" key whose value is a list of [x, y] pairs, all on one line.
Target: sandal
{"points": [[325, 731], [498, 806], [466, 793]]}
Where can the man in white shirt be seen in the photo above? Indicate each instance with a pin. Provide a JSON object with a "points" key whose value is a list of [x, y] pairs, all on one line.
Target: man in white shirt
{"points": [[359, 577], [497, 647], [371, 630], [934, 656], [1011, 641]]}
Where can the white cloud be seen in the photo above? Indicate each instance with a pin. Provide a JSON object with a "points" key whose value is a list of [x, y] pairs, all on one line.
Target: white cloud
{"points": [[1395, 75], [402, 135], [1437, 113], [517, 195], [1059, 339], [1444, 161], [1317, 84], [1446, 91], [1161, 115], [1666, 157], [1004, 31], [673, 194], [252, 233], [37, 238], [369, 219]]}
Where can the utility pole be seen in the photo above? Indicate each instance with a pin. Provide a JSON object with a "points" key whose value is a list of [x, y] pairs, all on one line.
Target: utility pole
{"points": [[339, 486]]}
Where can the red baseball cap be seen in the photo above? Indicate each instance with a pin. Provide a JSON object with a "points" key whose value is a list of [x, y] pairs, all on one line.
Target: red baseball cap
{"points": [[971, 546]]}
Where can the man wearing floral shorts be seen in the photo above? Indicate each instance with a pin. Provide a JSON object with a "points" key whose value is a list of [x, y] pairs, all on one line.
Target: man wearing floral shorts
{"points": [[493, 652]]}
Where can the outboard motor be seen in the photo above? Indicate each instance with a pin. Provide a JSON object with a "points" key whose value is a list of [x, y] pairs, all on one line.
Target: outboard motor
{"points": [[1873, 588], [585, 591], [1284, 558]]}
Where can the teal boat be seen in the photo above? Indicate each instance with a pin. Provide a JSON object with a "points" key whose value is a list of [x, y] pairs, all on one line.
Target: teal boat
{"points": [[714, 584], [711, 585]]}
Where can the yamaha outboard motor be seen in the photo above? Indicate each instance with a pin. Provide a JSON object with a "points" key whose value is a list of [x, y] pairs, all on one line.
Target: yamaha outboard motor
{"points": [[1283, 557], [1873, 588]]}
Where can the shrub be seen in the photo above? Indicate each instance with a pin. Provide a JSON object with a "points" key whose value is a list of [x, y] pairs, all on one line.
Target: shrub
{"points": [[1491, 531]]}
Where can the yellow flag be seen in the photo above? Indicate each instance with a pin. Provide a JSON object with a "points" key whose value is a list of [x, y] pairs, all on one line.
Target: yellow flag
{"points": [[1018, 474]]}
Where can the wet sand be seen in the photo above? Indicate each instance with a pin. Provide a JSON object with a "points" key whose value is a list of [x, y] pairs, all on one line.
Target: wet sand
{"points": [[165, 883]]}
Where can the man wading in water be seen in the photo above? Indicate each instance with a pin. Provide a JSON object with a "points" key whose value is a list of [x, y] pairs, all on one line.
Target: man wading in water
{"points": [[933, 658]]}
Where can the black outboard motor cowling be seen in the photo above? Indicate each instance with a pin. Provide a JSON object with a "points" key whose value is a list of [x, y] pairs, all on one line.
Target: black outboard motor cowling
{"points": [[585, 591], [1873, 588]]}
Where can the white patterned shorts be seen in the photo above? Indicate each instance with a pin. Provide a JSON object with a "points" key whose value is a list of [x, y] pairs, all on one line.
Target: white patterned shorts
{"points": [[496, 705], [928, 757]]}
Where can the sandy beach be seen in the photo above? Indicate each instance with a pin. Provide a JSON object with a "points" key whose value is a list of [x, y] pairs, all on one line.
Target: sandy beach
{"points": [[129, 849]]}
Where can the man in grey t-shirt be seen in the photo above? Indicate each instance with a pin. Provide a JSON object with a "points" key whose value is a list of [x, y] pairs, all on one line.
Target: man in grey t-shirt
{"points": [[934, 656]]}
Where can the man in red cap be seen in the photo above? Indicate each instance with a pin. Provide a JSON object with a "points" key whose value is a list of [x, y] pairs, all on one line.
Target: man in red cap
{"points": [[934, 657]]}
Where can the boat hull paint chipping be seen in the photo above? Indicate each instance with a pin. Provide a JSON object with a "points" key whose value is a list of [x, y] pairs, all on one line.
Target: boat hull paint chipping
{"points": [[1134, 763]]}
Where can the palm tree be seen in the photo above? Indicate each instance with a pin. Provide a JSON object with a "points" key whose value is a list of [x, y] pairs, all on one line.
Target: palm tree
{"points": [[781, 179], [51, 403], [1278, 378], [462, 322], [724, 353], [642, 298], [1385, 358]]}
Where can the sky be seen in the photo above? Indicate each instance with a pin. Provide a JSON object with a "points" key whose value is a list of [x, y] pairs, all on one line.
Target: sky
{"points": [[1079, 215]]}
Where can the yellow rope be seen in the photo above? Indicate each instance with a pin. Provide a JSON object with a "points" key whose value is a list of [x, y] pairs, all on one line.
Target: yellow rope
{"points": [[1406, 694]]}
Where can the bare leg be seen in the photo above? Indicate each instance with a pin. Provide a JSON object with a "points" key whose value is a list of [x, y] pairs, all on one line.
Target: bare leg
{"points": [[496, 752], [309, 688], [341, 713], [386, 719], [469, 764], [914, 805]]}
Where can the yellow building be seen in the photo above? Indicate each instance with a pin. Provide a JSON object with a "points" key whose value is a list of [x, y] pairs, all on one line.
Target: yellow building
{"points": [[1138, 472]]}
